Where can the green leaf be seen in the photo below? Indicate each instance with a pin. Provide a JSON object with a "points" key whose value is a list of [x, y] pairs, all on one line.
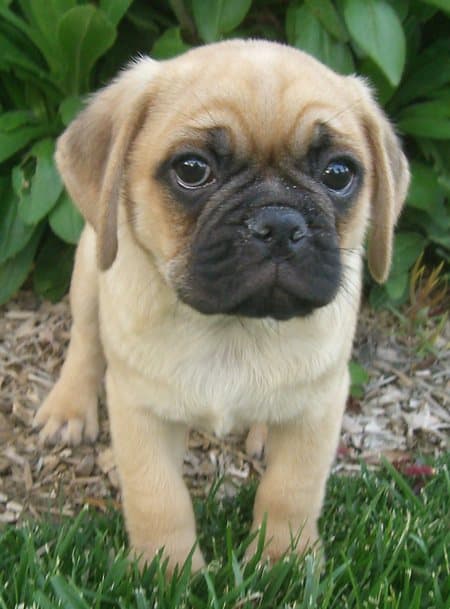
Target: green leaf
{"points": [[65, 220], [54, 264], [378, 79], [169, 44], [217, 17], [115, 9], [396, 286], [9, 121], [14, 271], [425, 192], [14, 233], [84, 34], [16, 132], [11, 53], [67, 593], [377, 30], [358, 374], [70, 107], [39, 193], [407, 248], [305, 32], [44, 17], [328, 16], [442, 4], [430, 119], [427, 73]]}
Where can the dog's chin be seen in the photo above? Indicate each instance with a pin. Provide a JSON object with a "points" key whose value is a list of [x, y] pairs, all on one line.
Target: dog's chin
{"points": [[274, 303], [266, 302]]}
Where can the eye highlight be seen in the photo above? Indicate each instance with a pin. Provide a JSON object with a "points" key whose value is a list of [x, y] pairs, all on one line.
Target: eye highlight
{"points": [[339, 175], [192, 171]]}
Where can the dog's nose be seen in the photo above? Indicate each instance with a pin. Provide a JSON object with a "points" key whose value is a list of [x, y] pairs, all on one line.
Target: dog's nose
{"points": [[281, 229]]}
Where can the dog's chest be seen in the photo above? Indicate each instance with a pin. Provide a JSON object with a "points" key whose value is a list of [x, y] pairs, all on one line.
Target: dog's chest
{"points": [[222, 374]]}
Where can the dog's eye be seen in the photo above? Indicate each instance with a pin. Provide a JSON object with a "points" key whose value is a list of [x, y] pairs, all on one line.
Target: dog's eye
{"points": [[192, 172], [339, 175]]}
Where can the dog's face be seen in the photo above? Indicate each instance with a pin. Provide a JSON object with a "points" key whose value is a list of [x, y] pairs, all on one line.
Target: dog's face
{"points": [[246, 169]]}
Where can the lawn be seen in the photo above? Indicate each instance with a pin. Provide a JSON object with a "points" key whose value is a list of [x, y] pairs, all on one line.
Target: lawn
{"points": [[387, 541]]}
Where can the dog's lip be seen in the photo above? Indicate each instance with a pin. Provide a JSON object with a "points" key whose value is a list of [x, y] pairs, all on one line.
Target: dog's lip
{"points": [[271, 289]]}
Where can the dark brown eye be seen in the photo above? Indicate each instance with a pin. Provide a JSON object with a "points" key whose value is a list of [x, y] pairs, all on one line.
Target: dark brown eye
{"points": [[192, 172], [338, 175]]}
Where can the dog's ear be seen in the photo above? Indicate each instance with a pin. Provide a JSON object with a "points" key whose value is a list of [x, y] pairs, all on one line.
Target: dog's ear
{"points": [[390, 181], [91, 154]]}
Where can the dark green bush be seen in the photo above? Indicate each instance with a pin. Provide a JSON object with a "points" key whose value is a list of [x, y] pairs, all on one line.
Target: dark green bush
{"points": [[53, 52]]}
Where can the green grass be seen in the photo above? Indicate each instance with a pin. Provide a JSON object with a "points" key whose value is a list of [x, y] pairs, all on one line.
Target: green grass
{"points": [[387, 547]]}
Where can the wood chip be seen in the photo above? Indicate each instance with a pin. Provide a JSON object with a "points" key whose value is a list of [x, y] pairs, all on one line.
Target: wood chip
{"points": [[405, 410]]}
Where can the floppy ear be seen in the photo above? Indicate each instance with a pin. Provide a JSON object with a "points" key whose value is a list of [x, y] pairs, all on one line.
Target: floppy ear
{"points": [[390, 181], [91, 154]]}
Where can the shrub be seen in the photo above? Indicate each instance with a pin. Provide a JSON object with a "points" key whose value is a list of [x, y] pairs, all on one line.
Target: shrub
{"points": [[53, 52]]}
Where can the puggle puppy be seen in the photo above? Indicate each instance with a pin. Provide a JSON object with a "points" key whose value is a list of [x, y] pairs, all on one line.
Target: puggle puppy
{"points": [[227, 195]]}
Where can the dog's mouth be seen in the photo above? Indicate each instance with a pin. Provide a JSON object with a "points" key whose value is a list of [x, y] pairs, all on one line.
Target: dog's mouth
{"points": [[247, 283], [274, 302]]}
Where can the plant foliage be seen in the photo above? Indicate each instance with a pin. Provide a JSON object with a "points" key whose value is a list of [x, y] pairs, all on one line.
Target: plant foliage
{"points": [[53, 52]]}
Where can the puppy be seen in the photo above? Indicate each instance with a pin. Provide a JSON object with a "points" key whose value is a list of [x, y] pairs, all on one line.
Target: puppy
{"points": [[227, 195]]}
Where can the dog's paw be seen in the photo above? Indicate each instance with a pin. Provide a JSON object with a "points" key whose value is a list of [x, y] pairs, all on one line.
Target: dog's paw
{"points": [[280, 542], [256, 441], [176, 556], [67, 418]]}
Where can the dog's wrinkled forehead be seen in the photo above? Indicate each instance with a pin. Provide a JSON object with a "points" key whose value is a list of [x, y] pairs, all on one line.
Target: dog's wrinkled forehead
{"points": [[270, 99]]}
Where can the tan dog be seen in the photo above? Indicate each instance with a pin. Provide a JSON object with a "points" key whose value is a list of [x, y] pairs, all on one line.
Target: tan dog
{"points": [[227, 194]]}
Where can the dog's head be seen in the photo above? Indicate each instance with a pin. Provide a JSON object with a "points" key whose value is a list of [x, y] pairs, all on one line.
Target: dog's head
{"points": [[246, 170]]}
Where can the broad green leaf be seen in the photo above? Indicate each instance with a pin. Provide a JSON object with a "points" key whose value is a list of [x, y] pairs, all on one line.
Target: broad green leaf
{"points": [[407, 248], [13, 140], [401, 7], [84, 34], [425, 192], [430, 119], [305, 32], [328, 16], [397, 286], [427, 73], [169, 44], [217, 17], [44, 17], [70, 107], [53, 269], [442, 4], [65, 220], [145, 18], [377, 30], [378, 79], [115, 9], [438, 233], [14, 233], [39, 193], [9, 121], [14, 271]]}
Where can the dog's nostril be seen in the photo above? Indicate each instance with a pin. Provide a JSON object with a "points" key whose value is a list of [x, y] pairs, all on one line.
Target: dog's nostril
{"points": [[277, 225], [297, 234], [259, 229]]}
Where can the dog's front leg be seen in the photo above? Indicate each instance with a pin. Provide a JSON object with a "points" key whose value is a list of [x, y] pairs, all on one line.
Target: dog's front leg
{"points": [[299, 457], [149, 456]]}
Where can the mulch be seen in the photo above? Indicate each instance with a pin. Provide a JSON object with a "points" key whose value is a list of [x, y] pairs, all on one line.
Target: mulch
{"points": [[403, 416]]}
